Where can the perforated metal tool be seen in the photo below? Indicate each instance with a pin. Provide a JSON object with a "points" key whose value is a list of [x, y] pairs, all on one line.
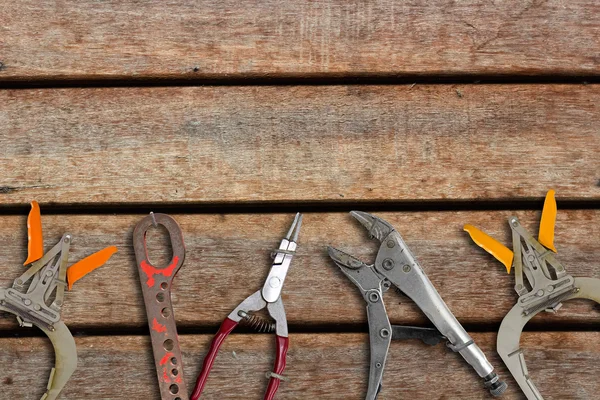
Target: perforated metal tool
{"points": [[156, 287]]}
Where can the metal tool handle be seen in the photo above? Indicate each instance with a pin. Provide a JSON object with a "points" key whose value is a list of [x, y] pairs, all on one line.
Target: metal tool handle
{"points": [[380, 336], [280, 360], [224, 330], [402, 269], [156, 287], [65, 354]]}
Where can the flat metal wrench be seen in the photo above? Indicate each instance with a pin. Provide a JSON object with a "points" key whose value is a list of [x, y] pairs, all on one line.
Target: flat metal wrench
{"points": [[156, 287]]}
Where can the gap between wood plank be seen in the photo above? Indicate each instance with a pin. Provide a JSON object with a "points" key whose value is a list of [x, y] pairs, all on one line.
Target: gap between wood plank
{"points": [[296, 80], [294, 329], [267, 207]]}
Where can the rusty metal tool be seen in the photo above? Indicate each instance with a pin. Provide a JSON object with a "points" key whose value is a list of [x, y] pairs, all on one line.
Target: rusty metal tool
{"points": [[548, 285], [395, 265], [37, 296], [156, 287], [270, 297]]}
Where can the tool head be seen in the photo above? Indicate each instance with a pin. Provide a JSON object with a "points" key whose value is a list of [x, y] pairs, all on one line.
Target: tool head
{"points": [[344, 259], [294, 231], [281, 262], [377, 227]]}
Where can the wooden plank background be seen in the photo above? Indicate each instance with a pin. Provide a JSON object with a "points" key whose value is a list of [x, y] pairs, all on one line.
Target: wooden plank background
{"points": [[201, 146], [227, 39], [232, 116]]}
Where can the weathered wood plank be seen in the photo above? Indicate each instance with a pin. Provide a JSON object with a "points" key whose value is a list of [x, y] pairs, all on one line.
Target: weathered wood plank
{"points": [[320, 366], [228, 259], [207, 39], [204, 145]]}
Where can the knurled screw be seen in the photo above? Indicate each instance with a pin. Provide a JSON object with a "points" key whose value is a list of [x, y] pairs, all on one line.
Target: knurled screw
{"points": [[406, 268], [388, 264]]}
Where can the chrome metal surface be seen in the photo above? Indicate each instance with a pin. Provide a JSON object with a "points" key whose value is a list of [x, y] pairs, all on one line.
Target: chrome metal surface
{"points": [[281, 264]]}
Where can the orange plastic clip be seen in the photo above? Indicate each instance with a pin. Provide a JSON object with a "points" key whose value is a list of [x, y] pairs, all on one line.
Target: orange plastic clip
{"points": [[491, 245], [548, 221], [35, 244], [88, 264]]}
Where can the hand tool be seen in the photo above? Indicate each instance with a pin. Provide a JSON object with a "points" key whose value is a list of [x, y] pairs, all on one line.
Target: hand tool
{"points": [[395, 265], [270, 297], [548, 285], [36, 297], [156, 288]]}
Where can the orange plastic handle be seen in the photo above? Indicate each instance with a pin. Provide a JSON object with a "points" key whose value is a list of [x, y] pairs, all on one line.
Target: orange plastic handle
{"points": [[548, 221], [35, 244], [491, 245], [88, 264]]}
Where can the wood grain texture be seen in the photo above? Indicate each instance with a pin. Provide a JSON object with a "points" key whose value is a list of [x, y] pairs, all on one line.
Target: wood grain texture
{"points": [[207, 145], [206, 39], [228, 259], [326, 366]]}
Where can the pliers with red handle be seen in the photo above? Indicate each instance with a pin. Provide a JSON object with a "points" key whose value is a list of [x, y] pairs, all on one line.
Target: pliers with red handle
{"points": [[270, 297]]}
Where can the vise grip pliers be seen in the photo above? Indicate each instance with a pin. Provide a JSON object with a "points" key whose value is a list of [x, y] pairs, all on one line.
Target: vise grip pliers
{"points": [[396, 265], [548, 285], [270, 297], [36, 297]]}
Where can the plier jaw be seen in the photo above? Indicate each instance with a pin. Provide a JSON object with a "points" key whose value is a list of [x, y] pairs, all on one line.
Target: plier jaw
{"points": [[395, 265], [281, 263]]}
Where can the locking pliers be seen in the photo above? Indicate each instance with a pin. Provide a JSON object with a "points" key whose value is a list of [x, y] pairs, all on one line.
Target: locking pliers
{"points": [[548, 285], [36, 297], [395, 265]]}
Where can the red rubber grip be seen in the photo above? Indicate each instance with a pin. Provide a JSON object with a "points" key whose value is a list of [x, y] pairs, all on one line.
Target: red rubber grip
{"points": [[282, 348], [225, 329]]}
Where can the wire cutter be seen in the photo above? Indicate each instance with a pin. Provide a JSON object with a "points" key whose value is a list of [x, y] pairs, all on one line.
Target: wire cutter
{"points": [[548, 285], [270, 297], [36, 297], [396, 265]]}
